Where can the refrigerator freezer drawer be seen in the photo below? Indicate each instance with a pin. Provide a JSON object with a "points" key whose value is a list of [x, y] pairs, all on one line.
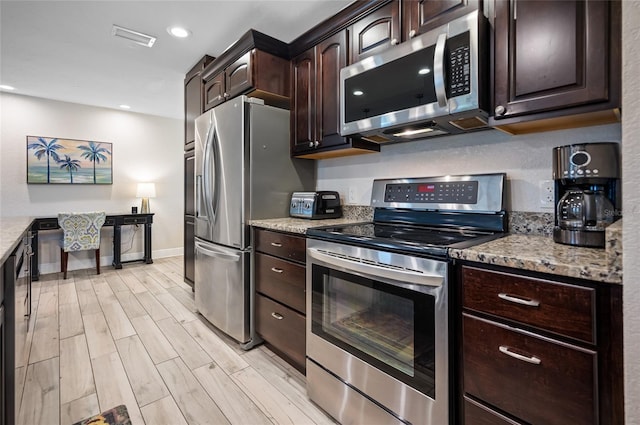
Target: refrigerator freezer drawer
{"points": [[222, 288]]}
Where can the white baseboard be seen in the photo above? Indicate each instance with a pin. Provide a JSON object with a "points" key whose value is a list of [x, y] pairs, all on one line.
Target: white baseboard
{"points": [[89, 263]]}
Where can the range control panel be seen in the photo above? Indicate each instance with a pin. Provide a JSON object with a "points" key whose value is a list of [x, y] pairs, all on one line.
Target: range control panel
{"points": [[464, 192]]}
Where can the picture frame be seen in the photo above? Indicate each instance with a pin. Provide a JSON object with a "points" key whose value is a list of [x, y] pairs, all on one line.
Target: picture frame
{"points": [[52, 160]]}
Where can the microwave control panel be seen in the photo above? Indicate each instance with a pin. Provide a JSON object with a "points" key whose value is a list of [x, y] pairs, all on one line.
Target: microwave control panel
{"points": [[459, 65], [465, 192]]}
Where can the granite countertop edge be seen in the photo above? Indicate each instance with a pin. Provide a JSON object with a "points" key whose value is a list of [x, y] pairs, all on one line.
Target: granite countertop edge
{"points": [[541, 254], [11, 231], [519, 251]]}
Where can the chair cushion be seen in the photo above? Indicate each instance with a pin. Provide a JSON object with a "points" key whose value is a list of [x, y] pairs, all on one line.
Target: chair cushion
{"points": [[81, 230]]}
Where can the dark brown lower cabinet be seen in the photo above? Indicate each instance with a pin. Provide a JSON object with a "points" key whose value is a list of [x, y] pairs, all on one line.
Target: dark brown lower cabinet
{"points": [[539, 349], [281, 294], [189, 249]]}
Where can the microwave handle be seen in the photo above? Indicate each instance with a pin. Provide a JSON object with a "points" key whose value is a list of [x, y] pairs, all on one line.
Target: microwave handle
{"points": [[438, 70]]}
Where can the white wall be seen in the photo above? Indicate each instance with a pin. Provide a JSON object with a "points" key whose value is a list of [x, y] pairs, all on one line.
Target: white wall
{"points": [[145, 148], [526, 159], [631, 205]]}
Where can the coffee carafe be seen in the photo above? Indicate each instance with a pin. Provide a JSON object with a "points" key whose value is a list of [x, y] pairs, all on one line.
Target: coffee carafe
{"points": [[587, 192]]}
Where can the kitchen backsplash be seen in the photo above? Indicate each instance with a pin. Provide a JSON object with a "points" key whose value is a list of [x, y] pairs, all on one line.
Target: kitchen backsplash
{"points": [[533, 223], [526, 160]]}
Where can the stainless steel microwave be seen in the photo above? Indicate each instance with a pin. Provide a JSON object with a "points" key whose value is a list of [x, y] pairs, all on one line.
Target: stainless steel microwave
{"points": [[433, 84]]}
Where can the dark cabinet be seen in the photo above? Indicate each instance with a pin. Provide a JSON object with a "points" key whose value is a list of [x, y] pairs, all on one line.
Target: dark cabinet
{"points": [[375, 32], [315, 112], [553, 59], [189, 217], [538, 349], [420, 16], [257, 72], [189, 250], [214, 93], [281, 293], [193, 106]]}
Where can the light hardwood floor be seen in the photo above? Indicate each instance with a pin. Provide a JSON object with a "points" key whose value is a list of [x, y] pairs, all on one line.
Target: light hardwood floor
{"points": [[133, 337]]}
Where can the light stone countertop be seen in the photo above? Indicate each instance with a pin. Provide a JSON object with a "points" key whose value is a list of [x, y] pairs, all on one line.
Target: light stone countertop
{"points": [[300, 225], [542, 254], [11, 231]]}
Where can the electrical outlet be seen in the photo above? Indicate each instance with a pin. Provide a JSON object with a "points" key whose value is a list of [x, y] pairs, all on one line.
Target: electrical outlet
{"points": [[546, 194], [351, 197]]}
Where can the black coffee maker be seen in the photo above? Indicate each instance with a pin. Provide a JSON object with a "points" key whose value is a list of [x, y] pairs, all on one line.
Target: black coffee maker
{"points": [[587, 192]]}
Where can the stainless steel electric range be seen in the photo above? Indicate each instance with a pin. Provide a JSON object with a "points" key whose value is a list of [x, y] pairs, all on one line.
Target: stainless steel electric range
{"points": [[378, 345]]}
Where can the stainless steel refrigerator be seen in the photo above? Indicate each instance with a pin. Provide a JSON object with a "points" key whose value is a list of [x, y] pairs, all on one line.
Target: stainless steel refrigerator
{"points": [[243, 171]]}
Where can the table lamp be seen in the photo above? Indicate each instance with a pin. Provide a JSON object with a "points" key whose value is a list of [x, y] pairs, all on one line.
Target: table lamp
{"points": [[146, 191]]}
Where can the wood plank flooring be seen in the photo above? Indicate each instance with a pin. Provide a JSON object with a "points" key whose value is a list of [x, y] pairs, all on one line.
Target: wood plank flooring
{"points": [[133, 337]]}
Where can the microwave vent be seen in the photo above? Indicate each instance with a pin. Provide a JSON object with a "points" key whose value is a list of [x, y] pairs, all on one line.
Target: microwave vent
{"points": [[470, 123], [375, 138]]}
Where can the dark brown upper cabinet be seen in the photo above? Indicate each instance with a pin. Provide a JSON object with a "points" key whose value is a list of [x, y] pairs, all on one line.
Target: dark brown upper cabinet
{"points": [[315, 112], [420, 16], [375, 32], [214, 93], [254, 71], [555, 59], [193, 100], [256, 64]]}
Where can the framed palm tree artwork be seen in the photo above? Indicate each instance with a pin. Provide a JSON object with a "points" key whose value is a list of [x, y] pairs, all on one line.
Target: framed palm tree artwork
{"points": [[54, 160]]}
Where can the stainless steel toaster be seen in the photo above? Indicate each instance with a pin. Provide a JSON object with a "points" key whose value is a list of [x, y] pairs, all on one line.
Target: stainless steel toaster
{"points": [[315, 205]]}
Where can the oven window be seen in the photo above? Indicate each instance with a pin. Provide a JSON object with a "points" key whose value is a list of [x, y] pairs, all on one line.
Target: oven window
{"points": [[389, 327]]}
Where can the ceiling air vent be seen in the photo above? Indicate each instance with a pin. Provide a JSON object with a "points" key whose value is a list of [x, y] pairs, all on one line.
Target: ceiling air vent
{"points": [[135, 36]]}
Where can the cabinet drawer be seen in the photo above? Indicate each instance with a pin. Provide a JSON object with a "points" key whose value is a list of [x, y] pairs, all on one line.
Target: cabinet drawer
{"points": [[134, 220], [478, 414], [48, 224], [281, 327], [538, 380], [557, 307], [281, 280], [281, 245]]}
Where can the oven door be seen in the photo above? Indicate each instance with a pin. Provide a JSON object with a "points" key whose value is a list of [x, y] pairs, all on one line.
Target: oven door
{"points": [[378, 321]]}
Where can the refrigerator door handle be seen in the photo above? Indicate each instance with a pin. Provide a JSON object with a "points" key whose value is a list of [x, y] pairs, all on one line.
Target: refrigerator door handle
{"points": [[213, 252], [200, 198], [215, 196], [206, 171]]}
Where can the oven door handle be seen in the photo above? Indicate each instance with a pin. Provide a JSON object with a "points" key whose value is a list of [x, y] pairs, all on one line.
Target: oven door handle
{"points": [[378, 270]]}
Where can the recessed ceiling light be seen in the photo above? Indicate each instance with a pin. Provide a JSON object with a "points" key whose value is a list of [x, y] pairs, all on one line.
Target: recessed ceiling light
{"points": [[125, 106], [6, 87], [358, 92], [424, 71], [179, 32]]}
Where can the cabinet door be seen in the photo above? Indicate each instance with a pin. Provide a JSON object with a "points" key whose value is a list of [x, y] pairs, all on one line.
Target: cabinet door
{"points": [[192, 108], [214, 91], [550, 55], [331, 55], [189, 184], [538, 380], [376, 32], [238, 76], [303, 111], [189, 249], [419, 16]]}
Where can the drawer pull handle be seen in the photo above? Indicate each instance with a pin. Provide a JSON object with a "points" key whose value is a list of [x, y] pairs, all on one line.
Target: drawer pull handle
{"points": [[507, 297], [504, 349], [276, 270], [276, 244], [277, 316]]}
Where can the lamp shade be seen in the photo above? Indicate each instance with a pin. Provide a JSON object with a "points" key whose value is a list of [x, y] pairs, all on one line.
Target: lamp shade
{"points": [[146, 190]]}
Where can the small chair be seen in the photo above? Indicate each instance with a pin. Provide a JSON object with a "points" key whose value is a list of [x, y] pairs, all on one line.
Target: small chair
{"points": [[81, 233]]}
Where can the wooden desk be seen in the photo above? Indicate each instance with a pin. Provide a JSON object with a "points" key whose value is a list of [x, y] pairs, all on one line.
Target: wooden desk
{"points": [[115, 220]]}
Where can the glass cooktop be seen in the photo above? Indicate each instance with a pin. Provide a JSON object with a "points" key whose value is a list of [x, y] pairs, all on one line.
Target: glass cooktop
{"points": [[403, 238]]}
